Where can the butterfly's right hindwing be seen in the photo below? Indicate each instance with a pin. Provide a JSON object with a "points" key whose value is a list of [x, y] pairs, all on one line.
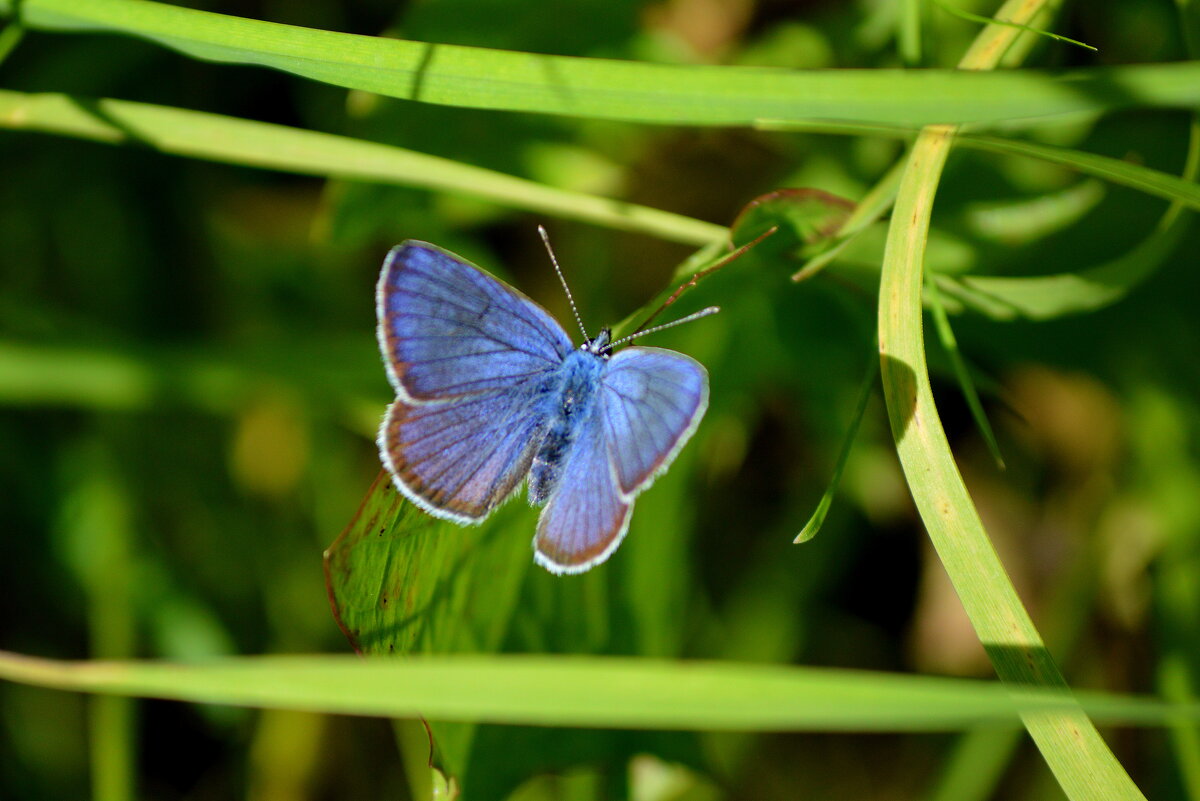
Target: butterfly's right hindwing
{"points": [[586, 516], [647, 403]]}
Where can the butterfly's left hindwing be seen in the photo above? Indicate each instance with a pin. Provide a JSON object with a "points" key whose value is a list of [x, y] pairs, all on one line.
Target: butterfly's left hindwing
{"points": [[462, 458]]}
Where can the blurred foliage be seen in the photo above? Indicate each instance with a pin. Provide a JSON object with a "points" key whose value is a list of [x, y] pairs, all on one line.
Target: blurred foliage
{"points": [[189, 386]]}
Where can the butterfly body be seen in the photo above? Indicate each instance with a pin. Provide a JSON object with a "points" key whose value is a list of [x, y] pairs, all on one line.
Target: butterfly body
{"points": [[491, 392], [569, 406]]}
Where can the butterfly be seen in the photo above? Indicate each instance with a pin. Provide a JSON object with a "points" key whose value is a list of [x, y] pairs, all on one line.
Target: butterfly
{"points": [[491, 393]]}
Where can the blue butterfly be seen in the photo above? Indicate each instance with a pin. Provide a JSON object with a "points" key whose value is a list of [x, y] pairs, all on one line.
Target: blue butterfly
{"points": [[491, 392]]}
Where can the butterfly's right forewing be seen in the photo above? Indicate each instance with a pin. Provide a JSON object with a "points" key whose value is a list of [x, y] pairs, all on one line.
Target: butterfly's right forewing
{"points": [[472, 361], [651, 401]]}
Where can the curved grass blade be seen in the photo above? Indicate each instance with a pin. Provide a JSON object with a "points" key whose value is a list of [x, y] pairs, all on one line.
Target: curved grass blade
{"points": [[1068, 740], [815, 522], [621, 90], [587, 691], [230, 140], [1154, 182]]}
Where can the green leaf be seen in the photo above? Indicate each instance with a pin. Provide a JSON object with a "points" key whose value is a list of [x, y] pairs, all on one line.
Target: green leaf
{"points": [[941, 323], [404, 582], [815, 522], [622, 90], [586, 691], [257, 144]]}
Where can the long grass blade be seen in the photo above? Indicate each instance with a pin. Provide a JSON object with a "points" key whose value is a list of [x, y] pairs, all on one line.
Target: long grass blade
{"points": [[621, 90], [231, 140], [584, 691]]}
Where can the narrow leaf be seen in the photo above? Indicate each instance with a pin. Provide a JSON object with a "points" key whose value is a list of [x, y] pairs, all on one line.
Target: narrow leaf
{"points": [[622, 90], [965, 382], [258, 144], [586, 691], [860, 407]]}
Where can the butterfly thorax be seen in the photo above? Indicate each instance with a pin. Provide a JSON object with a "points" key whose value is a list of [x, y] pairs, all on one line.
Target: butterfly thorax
{"points": [[599, 344], [568, 402]]}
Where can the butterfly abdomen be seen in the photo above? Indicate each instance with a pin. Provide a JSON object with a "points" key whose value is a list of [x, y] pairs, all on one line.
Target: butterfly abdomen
{"points": [[567, 406]]}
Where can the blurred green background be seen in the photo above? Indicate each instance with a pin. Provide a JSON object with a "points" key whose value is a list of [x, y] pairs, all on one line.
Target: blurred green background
{"points": [[190, 384]]}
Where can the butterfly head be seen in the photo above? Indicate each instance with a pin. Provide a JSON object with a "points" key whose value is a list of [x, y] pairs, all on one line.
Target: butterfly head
{"points": [[599, 345]]}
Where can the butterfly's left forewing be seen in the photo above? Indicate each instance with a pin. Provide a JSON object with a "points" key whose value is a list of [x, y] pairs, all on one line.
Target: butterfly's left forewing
{"points": [[448, 330], [470, 359], [648, 403]]}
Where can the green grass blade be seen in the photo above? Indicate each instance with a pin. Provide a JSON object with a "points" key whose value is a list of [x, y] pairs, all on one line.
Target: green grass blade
{"points": [[969, 17], [1049, 296], [1122, 173], [1144, 179], [621, 90], [257, 144], [815, 522], [945, 333], [1068, 740], [584, 691]]}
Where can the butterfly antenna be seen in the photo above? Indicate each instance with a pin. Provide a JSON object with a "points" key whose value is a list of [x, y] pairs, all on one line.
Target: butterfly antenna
{"points": [[567, 289], [639, 334]]}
